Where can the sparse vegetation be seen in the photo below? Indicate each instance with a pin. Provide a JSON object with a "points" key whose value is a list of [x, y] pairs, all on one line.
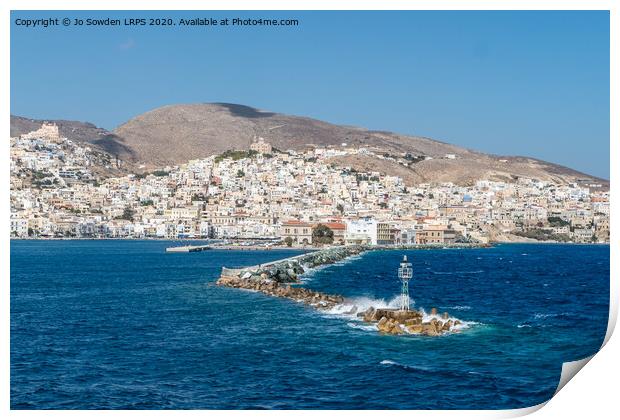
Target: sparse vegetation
{"points": [[555, 221], [322, 235], [413, 159], [128, 214], [542, 235], [235, 155], [40, 174]]}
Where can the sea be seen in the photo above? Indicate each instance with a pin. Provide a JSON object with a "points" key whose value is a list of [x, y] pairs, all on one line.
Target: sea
{"points": [[120, 324]]}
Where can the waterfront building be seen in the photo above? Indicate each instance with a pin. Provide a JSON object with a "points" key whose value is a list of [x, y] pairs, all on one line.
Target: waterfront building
{"points": [[19, 226], [339, 230], [407, 236], [300, 232], [431, 234], [384, 234], [361, 231]]}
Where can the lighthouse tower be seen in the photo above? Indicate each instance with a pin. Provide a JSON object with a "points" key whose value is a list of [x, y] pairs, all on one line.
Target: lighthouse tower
{"points": [[405, 273]]}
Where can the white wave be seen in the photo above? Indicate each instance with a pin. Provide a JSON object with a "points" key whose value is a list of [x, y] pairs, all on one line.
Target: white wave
{"points": [[363, 327], [459, 308], [248, 290], [524, 326], [543, 316], [463, 325], [388, 362], [310, 271], [458, 272], [395, 302], [351, 307]]}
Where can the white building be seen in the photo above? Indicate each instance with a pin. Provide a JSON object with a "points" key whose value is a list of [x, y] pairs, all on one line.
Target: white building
{"points": [[19, 227], [362, 230]]}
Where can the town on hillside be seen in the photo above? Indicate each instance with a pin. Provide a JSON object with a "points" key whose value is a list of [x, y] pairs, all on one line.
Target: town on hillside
{"points": [[284, 198]]}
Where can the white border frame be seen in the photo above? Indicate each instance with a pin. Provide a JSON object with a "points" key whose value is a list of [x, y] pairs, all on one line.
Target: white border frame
{"points": [[593, 394]]}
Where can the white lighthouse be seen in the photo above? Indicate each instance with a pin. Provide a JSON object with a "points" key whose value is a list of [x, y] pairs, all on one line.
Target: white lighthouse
{"points": [[405, 273]]}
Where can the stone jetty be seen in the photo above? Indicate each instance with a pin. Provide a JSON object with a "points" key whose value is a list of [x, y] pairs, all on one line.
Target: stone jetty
{"points": [[276, 279], [273, 287]]}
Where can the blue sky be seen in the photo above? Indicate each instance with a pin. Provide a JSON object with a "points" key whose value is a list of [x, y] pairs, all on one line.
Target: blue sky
{"points": [[517, 83]]}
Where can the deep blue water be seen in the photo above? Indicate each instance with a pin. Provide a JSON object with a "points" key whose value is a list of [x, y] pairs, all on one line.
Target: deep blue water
{"points": [[121, 324]]}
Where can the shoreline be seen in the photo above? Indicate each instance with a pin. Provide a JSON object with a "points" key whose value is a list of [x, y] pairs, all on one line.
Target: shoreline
{"points": [[240, 247]]}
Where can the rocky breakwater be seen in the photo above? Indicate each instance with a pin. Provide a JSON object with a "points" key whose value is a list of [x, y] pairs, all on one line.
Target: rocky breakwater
{"points": [[394, 321], [275, 279]]}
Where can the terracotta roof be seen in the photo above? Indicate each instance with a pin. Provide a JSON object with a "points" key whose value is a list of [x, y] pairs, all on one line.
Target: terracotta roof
{"points": [[337, 226], [296, 222]]}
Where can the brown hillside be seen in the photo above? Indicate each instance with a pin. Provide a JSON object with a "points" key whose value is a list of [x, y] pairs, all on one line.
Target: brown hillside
{"points": [[177, 133]]}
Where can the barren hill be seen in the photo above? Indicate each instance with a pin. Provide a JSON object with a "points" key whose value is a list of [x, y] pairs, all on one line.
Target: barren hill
{"points": [[177, 133]]}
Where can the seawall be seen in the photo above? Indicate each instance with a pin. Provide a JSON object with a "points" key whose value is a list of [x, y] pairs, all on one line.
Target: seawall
{"points": [[275, 279]]}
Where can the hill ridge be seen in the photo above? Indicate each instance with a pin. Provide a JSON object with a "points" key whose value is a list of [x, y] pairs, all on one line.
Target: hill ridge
{"points": [[174, 134]]}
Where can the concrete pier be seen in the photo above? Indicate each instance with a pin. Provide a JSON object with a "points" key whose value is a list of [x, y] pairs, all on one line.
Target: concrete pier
{"points": [[189, 248]]}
